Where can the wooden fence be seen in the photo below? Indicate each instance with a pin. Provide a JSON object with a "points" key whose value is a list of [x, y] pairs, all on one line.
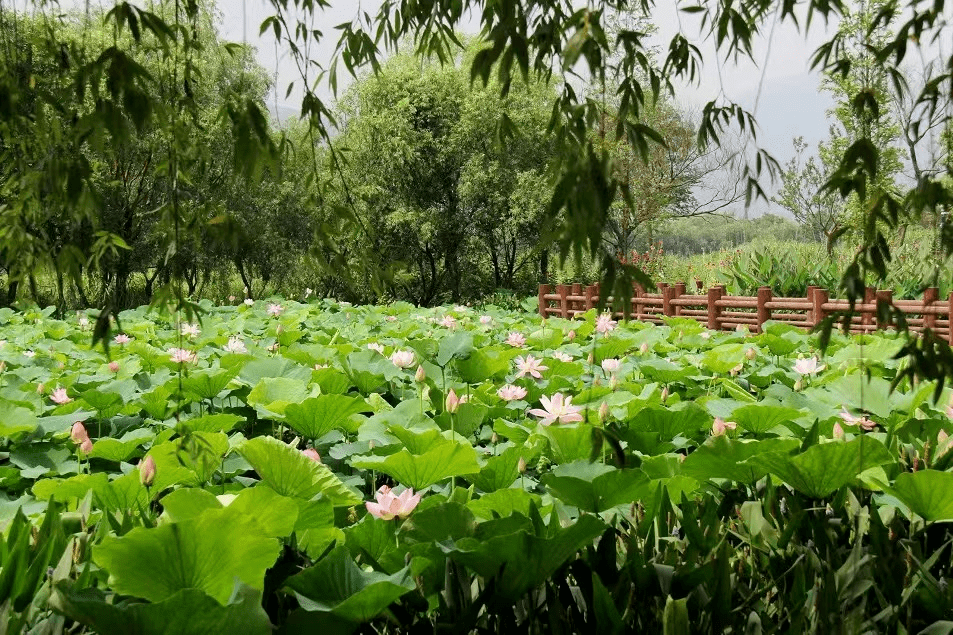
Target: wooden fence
{"points": [[720, 311]]}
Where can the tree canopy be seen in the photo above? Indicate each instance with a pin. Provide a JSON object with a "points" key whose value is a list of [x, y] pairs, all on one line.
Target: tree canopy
{"points": [[113, 96]]}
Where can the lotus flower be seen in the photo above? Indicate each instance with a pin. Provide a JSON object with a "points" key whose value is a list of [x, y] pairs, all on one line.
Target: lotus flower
{"points": [[605, 323], [557, 408], [374, 346], [308, 291], [838, 431], [389, 506], [486, 320], [720, 426], [274, 309], [515, 339], [851, 420], [611, 366], [249, 302], [571, 335], [452, 403], [943, 444], [232, 298], [563, 357], [190, 330], [182, 356], [644, 348], [510, 392], [114, 366], [29, 353], [147, 471], [59, 396], [312, 454], [808, 366], [530, 366], [83, 321], [421, 375], [121, 339], [403, 359], [391, 318], [86, 447], [604, 411], [449, 322], [235, 345]]}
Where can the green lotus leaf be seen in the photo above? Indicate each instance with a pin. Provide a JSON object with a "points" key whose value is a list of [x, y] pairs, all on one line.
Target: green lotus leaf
{"points": [[595, 487], [315, 417], [928, 493], [725, 457], [824, 468], [206, 553], [337, 585], [290, 473], [418, 471], [272, 395]]}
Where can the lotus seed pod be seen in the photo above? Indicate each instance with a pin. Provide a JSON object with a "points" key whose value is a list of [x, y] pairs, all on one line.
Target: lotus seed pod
{"points": [[751, 354]]}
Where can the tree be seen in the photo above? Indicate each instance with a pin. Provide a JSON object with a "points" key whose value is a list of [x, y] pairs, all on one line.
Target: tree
{"points": [[802, 194]]}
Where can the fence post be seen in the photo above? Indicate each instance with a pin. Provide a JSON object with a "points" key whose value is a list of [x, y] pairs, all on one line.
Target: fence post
{"points": [[883, 296], [679, 291], [930, 296], [821, 297], [810, 298], [638, 292], [764, 314], [590, 293], [668, 293], [949, 318], [870, 297], [543, 302], [699, 285], [563, 291], [714, 311], [576, 305]]}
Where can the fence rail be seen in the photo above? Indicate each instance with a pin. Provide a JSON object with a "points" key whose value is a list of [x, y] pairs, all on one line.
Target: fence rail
{"points": [[719, 311]]}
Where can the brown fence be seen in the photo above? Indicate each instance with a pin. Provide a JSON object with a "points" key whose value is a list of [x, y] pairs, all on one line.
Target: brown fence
{"points": [[718, 310]]}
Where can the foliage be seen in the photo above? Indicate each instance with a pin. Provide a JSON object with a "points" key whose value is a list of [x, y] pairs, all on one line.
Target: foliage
{"points": [[645, 515]]}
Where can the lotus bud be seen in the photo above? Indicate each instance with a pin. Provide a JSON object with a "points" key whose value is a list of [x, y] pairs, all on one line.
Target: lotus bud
{"points": [[751, 354], [147, 471], [799, 385], [78, 433], [603, 412], [521, 466], [40, 388], [591, 358], [614, 382], [838, 431], [371, 444], [3, 366], [664, 395], [596, 381], [452, 403], [312, 454], [86, 447], [571, 335], [644, 348], [114, 366], [494, 439], [421, 375]]}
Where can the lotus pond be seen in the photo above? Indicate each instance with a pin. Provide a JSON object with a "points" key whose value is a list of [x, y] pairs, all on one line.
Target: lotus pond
{"points": [[253, 472]]}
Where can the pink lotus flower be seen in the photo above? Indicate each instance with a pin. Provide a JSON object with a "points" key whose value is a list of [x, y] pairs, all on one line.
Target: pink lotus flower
{"points": [[147, 471], [312, 454], [182, 356], [449, 322], [389, 506], [611, 366], [562, 357], [486, 320], [452, 403], [121, 339], [114, 366], [231, 298], [59, 396], [274, 309], [403, 359], [851, 420], [557, 408], [605, 323], [86, 447], [374, 346], [190, 330], [571, 335], [808, 366], [235, 345], [515, 339], [720, 426], [391, 318], [510, 392], [530, 366]]}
